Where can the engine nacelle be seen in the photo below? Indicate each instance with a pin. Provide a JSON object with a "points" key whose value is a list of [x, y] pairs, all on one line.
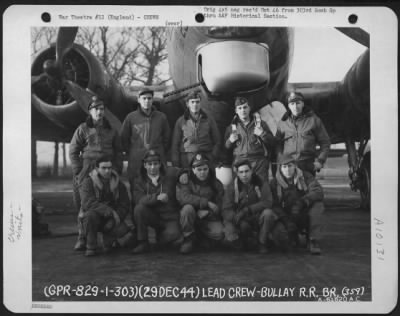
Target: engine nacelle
{"points": [[51, 97]]}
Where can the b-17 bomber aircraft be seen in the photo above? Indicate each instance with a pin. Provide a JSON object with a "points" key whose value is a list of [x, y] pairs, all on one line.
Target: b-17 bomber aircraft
{"points": [[221, 62]]}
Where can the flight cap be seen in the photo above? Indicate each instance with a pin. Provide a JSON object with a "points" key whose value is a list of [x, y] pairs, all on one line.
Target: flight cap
{"points": [[95, 101], [151, 155], [240, 101], [198, 160], [146, 91], [295, 96]]}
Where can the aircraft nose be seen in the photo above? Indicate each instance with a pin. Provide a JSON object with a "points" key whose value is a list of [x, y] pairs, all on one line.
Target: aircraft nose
{"points": [[231, 32], [233, 66]]}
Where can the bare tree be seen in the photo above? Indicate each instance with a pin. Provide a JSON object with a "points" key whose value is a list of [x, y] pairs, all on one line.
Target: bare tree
{"points": [[42, 37], [116, 48], [87, 36], [152, 48], [131, 55]]}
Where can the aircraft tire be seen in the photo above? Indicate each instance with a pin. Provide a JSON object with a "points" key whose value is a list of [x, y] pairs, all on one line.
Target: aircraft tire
{"points": [[365, 184]]}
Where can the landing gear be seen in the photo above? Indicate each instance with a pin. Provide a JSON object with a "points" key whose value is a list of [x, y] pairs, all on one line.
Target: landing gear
{"points": [[364, 183], [360, 171]]}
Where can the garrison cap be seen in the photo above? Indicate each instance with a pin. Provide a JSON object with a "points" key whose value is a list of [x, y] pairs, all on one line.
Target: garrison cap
{"points": [[241, 161], [95, 101], [146, 91], [151, 155], [295, 96], [241, 101], [284, 159], [198, 160], [193, 95]]}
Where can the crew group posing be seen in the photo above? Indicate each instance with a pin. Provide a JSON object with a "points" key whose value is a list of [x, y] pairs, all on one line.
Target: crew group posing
{"points": [[185, 203]]}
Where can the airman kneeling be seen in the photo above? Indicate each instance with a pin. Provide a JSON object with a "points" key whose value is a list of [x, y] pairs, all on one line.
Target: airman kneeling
{"points": [[156, 205], [201, 200], [298, 197], [105, 204], [248, 210]]}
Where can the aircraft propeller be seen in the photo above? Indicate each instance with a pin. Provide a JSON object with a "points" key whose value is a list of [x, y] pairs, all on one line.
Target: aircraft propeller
{"points": [[83, 97], [52, 69], [65, 40]]}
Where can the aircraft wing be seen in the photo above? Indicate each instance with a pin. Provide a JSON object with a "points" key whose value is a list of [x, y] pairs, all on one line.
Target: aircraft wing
{"points": [[343, 106]]}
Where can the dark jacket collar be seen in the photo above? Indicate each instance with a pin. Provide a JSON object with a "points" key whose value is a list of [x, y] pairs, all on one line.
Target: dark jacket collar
{"points": [[186, 114], [255, 180], [89, 122], [152, 110], [298, 180], [99, 182]]}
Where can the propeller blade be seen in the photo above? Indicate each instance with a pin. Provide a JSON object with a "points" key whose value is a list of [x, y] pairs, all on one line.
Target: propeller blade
{"points": [[65, 40], [36, 79], [79, 94], [356, 34], [83, 98]]}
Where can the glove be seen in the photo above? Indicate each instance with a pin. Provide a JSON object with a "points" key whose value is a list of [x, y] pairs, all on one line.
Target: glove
{"points": [[163, 197], [317, 166], [258, 131], [233, 137]]}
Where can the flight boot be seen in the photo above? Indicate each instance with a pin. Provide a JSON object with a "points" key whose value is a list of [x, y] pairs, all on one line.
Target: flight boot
{"points": [[80, 245], [142, 247], [280, 236], [262, 249], [90, 252], [314, 247], [292, 235], [187, 245], [237, 244]]}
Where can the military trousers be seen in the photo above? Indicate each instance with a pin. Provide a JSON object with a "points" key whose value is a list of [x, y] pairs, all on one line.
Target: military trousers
{"points": [[167, 229], [262, 223], [88, 166], [93, 223], [311, 220], [211, 227]]}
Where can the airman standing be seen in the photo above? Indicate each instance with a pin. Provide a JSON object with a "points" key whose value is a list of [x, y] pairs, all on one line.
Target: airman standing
{"points": [[250, 138], [298, 133], [92, 139], [194, 132], [142, 130]]}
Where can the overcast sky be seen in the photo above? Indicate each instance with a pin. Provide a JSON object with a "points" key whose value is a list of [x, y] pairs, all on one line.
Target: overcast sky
{"points": [[320, 54]]}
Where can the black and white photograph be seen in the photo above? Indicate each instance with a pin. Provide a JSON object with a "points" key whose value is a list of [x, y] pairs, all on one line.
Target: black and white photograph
{"points": [[204, 162]]}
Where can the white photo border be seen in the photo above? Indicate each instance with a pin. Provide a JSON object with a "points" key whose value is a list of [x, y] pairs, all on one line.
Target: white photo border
{"points": [[17, 256]]}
